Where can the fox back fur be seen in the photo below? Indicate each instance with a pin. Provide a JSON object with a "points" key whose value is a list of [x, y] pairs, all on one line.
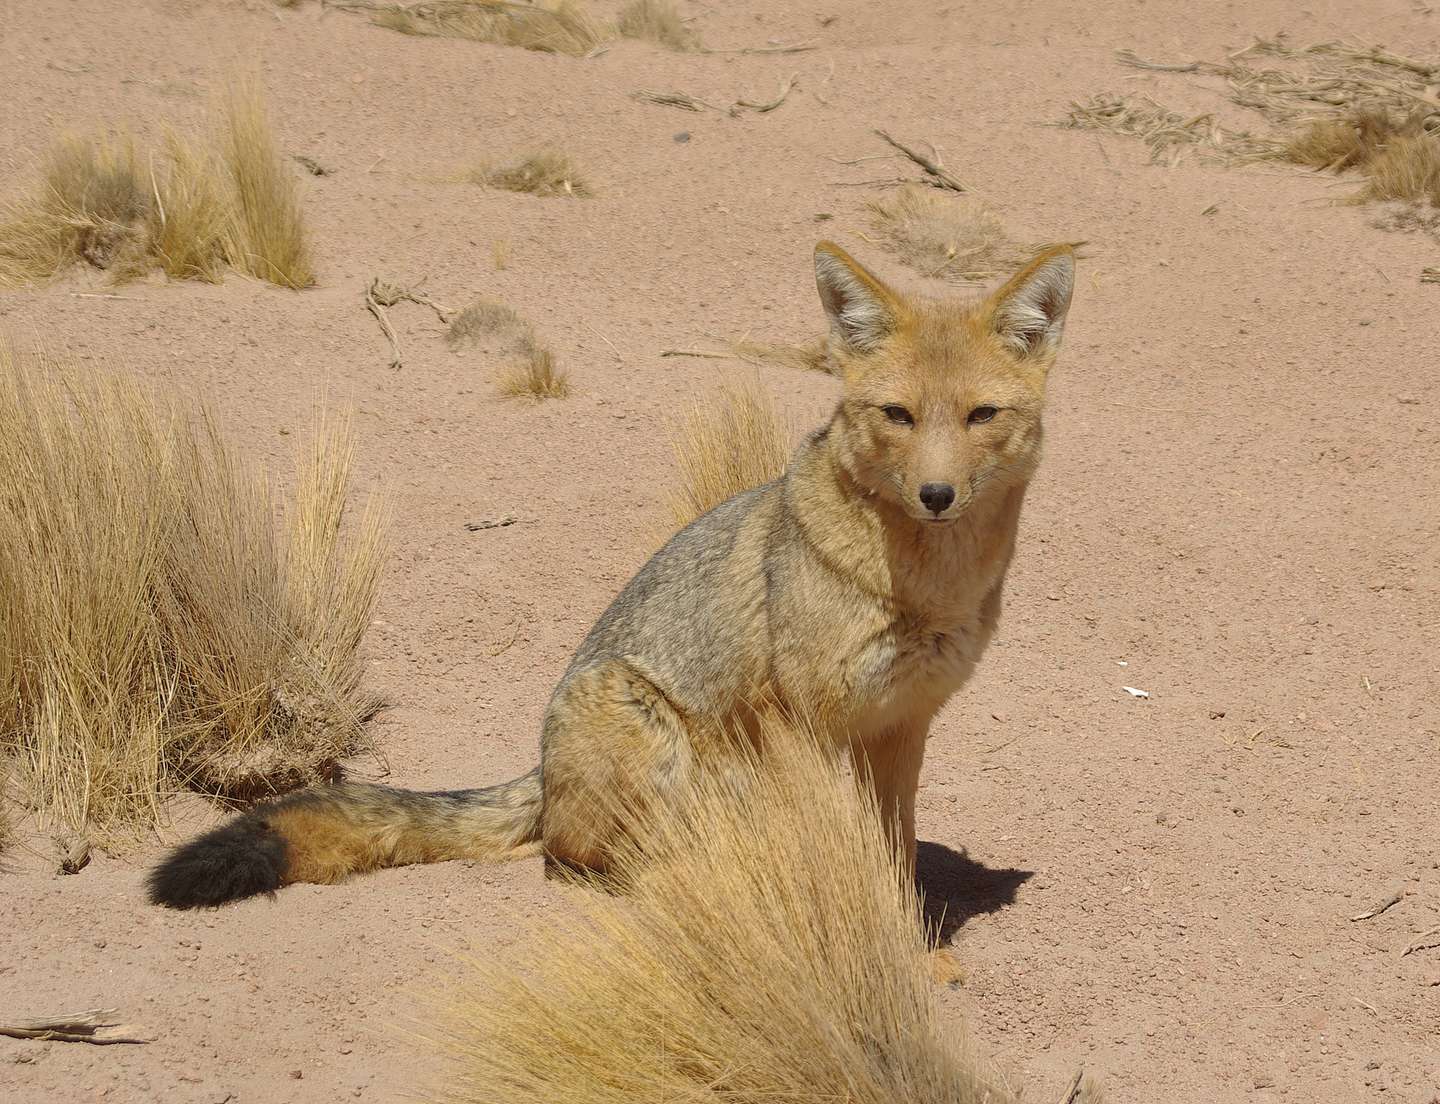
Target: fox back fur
{"points": [[860, 590]]}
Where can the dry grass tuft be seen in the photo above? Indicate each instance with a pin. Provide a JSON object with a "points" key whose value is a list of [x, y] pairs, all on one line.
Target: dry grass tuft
{"points": [[545, 173], [530, 371], [1408, 168], [560, 28], [955, 238], [268, 236], [724, 446], [768, 947], [190, 208], [533, 374], [1399, 158], [158, 630], [657, 21]]}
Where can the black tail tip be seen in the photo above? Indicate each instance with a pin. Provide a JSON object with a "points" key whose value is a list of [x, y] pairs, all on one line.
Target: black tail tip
{"points": [[240, 859]]}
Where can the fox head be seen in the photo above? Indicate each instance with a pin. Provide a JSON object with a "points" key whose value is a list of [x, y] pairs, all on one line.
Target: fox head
{"points": [[942, 399]]}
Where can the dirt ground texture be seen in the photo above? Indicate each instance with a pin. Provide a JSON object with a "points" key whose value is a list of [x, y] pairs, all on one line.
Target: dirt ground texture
{"points": [[1238, 512]]}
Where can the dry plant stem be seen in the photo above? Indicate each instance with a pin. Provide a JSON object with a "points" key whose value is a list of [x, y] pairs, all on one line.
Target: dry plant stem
{"points": [[938, 174], [1430, 275], [1376, 909], [72, 1027], [1072, 1091], [1427, 942], [682, 100], [769, 105], [375, 305], [796, 48]]}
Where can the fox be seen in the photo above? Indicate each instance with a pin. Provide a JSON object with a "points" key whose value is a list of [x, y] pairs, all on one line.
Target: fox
{"points": [[860, 589]]}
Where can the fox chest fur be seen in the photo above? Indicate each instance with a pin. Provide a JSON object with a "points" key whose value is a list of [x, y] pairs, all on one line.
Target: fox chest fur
{"points": [[905, 614]]}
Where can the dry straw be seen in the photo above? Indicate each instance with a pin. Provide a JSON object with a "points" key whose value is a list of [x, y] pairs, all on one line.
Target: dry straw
{"points": [[543, 173], [191, 207], [945, 236], [767, 947], [1344, 107], [159, 629]]}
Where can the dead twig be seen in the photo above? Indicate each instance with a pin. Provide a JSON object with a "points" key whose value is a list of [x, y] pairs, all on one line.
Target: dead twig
{"points": [[683, 100], [769, 105], [379, 296], [938, 174], [796, 48], [71, 1027], [704, 353], [491, 523], [1376, 909], [1073, 1089], [1427, 942], [376, 307], [1430, 275], [74, 853]]}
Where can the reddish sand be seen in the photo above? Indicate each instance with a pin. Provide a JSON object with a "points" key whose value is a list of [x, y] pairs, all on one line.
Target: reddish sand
{"points": [[1238, 513]]}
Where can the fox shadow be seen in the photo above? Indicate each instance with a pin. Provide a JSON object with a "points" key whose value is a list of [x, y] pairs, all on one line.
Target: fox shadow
{"points": [[956, 888]]}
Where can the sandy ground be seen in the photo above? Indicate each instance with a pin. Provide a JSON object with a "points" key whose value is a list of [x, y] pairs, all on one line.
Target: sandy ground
{"points": [[1238, 512]]}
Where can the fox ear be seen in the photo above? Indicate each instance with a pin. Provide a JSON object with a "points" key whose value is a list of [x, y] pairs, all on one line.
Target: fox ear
{"points": [[1029, 311], [861, 309]]}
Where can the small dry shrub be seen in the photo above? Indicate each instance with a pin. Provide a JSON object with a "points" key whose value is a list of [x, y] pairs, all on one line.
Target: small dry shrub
{"points": [[952, 238], [545, 173], [559, 28], [190, 208], [656, 21], [158, 629], [724, 446], [530, 371], [768, 947]]}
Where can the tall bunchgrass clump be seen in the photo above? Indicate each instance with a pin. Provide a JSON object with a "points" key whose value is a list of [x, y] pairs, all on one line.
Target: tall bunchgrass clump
{"points": [[269, 240], [167, 620], [767, 946], [191, 207], [724, 445]]}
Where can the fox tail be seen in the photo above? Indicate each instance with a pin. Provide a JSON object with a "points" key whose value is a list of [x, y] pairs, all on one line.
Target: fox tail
{"points": [[326, 834]]}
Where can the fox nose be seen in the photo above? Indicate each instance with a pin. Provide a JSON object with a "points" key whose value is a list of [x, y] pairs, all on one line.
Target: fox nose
{"points": [[937, 496]]}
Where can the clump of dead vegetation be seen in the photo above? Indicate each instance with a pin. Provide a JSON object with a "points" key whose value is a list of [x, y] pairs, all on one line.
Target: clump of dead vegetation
{"points": [[957, 238], [656, 21], [553, 26], [530, 371], [1340, 107], [768, 946], [191, 207], [543, 173], [727, 444], [564, 27], [159, 630]]}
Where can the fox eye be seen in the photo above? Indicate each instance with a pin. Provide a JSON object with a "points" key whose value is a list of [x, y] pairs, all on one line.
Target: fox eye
{"points": [[982, 414], [898, 414]]}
